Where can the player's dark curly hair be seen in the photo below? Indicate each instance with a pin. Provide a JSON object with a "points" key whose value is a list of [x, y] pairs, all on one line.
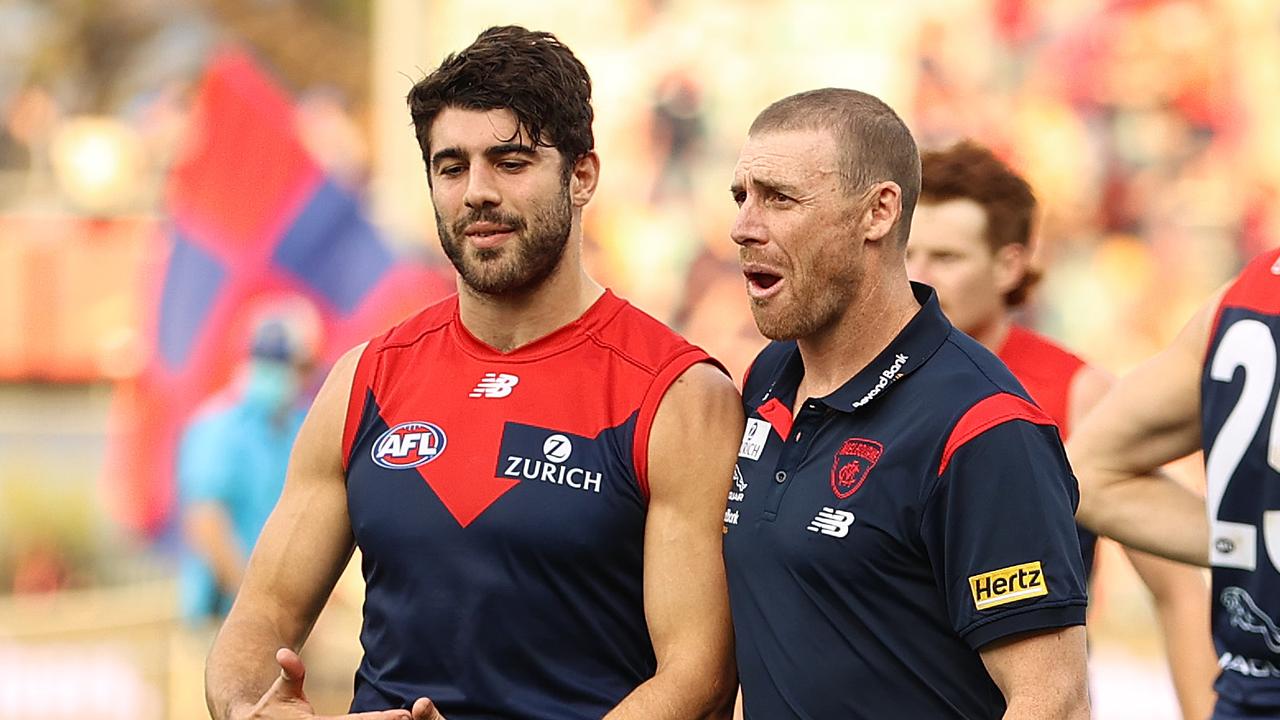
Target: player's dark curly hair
{"points": [[530, 73], [969, 171]]}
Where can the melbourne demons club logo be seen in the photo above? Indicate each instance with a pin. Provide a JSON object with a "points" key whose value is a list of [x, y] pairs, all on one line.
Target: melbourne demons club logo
{"points": [[853, 462], [409, 445]]}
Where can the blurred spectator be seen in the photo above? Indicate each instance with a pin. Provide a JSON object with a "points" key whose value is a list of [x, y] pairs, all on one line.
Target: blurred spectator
{"points": [[40, 567], [332, 136], [714, 314], [232, 461], [27, 120], [679, 131]]}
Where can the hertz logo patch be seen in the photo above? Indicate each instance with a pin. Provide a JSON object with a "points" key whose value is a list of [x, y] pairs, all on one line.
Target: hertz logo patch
{"points": [[1007, 585]]}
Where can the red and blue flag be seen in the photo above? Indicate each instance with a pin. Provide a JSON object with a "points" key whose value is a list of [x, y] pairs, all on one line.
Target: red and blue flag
{"points": [[251, 217]]}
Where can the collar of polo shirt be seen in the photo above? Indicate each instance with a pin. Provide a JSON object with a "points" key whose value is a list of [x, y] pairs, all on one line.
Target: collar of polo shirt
{"points": [[919, 340]]}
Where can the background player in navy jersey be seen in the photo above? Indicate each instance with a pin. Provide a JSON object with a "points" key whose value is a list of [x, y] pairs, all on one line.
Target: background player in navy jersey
{"points": [[1214, 388], [971, 241], [899, 539], [534, 470]]}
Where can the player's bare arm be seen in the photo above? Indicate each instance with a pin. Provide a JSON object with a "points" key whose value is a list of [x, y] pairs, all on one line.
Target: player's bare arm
{"points": [[692, 449], [1151, 417], [1181, 598], [253, 671], [1018, 667], [1179, 592]]}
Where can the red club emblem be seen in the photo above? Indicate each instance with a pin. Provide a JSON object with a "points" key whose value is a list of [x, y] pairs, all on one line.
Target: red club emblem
{"points": [[853, 463]]}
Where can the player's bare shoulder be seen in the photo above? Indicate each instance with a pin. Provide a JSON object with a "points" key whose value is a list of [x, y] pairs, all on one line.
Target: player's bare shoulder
{"points": [[702, 399], [344, 370], [1088, 386], [320, 438], [699, 419], [704, 382]]}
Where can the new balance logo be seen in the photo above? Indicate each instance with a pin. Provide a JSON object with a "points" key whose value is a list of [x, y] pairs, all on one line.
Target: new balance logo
{"points": [[495, 385], [831, 522]]}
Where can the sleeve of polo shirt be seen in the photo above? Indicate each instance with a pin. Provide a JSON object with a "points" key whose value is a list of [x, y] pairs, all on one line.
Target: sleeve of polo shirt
{"points": [[999, 530]]}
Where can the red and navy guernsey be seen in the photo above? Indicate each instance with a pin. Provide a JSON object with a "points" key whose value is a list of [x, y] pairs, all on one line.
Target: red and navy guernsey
{"points": [[1240, 425], [877, 540], [499, 503]]}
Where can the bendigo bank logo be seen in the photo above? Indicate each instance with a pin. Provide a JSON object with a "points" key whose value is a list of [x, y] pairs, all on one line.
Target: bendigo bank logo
{"points": [[852, 464], [1006, 585], [409, 445]]}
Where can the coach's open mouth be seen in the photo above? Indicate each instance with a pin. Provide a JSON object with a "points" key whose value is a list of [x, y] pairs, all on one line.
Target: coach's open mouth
{"points": [[762, 282]]}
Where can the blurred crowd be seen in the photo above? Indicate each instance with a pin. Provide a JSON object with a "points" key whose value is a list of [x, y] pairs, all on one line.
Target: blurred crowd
{"points": [[1146, 127]]}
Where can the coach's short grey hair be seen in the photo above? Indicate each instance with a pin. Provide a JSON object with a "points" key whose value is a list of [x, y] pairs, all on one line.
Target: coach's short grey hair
{"points": [[875, 144]]}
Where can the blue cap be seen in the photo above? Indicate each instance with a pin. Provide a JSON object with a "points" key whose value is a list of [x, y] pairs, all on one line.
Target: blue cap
{"points": [[273, 341]]}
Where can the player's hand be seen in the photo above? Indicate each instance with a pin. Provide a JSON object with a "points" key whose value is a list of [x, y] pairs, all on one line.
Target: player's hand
{"points": [[424, 709], [285, 700]]}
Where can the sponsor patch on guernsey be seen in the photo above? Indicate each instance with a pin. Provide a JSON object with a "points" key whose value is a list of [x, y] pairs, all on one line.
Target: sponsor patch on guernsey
{"points": [[754, 437], [1006, 585]]}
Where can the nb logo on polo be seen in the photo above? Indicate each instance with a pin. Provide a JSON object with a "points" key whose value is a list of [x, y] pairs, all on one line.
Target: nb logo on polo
{"points": [[408, 445], [1006, 585], [494, 385], [830, 521]]}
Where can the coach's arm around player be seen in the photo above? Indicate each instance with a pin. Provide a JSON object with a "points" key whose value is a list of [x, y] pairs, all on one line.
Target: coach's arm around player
{"points": [[253, 669]]}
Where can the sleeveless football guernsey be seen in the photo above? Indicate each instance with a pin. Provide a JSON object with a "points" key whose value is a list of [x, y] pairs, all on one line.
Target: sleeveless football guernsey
{"points": [[1044, 368], [1241, 439], [499, 503]]}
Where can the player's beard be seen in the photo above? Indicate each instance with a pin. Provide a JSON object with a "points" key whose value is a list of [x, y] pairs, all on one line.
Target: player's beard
{"points": [[520, 264]]}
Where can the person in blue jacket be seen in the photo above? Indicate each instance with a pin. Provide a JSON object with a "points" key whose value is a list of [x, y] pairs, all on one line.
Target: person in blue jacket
{"points": [[231, 467]]}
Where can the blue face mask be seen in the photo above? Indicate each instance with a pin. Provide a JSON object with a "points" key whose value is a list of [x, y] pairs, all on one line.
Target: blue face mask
{"points": [[272, 386]]}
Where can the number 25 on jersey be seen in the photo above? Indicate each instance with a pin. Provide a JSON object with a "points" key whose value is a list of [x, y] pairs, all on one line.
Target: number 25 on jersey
{"points": [[1247, 344]]}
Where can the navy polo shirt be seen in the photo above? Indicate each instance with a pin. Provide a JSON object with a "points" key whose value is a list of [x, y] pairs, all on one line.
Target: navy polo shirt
{"points": [[878, 539]]}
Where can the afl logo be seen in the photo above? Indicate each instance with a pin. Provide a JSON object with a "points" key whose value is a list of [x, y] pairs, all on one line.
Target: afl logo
{"points": [[409, 445]]}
